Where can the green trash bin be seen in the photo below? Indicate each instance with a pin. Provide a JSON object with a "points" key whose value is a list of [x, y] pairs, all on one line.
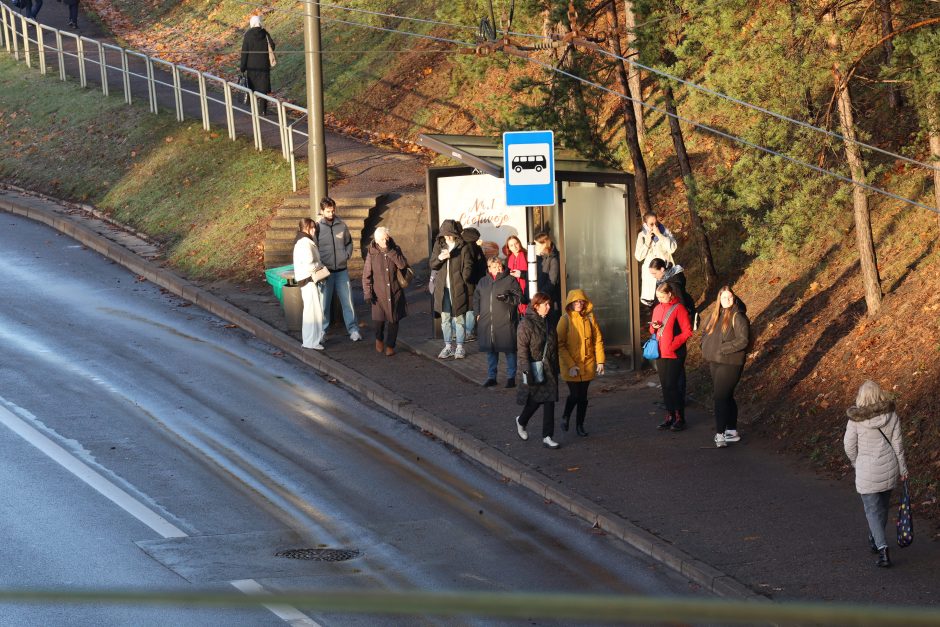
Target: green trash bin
{"points": [[293, 304]]}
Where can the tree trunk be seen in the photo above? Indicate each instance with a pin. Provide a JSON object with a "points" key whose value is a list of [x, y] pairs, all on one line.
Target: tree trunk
{"points": [[633, 78], [887, 27], [933, 132], [685, 167], [629, 123], [863, 234]]}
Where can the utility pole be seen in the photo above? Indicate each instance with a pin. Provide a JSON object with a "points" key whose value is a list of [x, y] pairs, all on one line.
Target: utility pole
{"points": [[316, 147]]}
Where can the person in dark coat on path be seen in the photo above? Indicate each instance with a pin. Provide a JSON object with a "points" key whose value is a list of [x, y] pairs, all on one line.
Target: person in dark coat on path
{"points": [[255, 62], [73, 12], [549, 274], [471, 236], [537, 341], [496, 301], [381, 288], [451, 259], [724, 348]]}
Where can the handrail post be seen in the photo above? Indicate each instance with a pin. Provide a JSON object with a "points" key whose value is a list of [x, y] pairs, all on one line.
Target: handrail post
{"points": [[29, 62], [282, 127], [255, 123], [5, 13], [15, 36], [60, 54], [204, 102], [293, 159], [41, 45], [80, 47], [103, 62], [177, 92], [151, 88], [229, 116], [126, 77]]}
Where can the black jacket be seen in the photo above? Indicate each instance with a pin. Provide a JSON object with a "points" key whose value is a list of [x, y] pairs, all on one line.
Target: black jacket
{"points": [[380, 285], [255, 51], [530, 342], [549, 279], [458, 266], [497, 319]]}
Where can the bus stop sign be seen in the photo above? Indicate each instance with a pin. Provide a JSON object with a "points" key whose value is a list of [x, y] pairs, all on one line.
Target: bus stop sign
{"points": [[529, 168]]}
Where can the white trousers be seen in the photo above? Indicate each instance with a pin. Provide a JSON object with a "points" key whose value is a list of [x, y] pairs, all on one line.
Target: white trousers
{"points": [[312, 325]]}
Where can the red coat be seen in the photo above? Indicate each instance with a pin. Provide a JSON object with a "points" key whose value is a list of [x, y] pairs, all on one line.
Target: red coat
{"points": [[518, 262], [669, 342]]}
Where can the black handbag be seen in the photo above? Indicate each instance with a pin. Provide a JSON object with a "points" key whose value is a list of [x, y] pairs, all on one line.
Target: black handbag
{"points": [[242, 97], [404, 277], [905, 519]]}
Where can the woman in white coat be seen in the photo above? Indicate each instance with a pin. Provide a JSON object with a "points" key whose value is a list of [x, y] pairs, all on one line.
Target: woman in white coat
{"points": [[306, 263], [654, 241], [873, 444]]}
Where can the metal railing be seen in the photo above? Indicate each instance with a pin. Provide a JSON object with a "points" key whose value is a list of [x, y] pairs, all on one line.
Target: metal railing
{"points": [[44, 46]]}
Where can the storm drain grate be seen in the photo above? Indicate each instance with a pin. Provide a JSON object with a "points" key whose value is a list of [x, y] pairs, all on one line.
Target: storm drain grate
{"points": [[319, 555]]}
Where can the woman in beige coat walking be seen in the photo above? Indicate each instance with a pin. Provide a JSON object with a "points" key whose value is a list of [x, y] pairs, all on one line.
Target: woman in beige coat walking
{"points": [[873, 444]]}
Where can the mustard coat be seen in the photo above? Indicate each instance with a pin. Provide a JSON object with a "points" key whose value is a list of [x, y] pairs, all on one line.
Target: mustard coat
{"points": [[579, 339]]}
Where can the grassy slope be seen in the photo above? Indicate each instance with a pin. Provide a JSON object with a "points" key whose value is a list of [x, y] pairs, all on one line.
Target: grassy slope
{"points": [[206, 198]]}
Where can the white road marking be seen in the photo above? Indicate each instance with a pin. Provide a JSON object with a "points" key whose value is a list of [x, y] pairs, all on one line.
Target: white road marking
{"points": [[129, 504]]}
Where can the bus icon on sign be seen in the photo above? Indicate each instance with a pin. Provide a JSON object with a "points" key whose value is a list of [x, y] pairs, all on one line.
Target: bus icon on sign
{"points": [[529, 162]]}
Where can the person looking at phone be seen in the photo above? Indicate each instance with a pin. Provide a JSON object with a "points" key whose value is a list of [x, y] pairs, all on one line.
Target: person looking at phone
{"points": [[672, 327]]}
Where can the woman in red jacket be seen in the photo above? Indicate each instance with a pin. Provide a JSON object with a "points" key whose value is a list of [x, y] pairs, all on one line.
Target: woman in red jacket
{"points": [[518, 266], [672, 327]]}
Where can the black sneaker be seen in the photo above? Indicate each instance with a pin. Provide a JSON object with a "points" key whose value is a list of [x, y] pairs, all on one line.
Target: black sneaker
{"points": [[471, 337], [511, 383], [489, 383], [667, 423]]}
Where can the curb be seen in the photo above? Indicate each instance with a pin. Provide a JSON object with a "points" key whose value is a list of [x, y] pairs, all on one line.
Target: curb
{"points": [[710, 578]]}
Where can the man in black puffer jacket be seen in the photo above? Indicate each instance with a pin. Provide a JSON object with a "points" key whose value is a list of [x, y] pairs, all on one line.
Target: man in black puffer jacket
{"points": [[256, 62]]}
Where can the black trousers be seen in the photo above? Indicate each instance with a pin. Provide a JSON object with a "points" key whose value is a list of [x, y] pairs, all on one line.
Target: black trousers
{"points": [[670, 377], [725, 378], [386, 331], [548, 416], [577, 396]]}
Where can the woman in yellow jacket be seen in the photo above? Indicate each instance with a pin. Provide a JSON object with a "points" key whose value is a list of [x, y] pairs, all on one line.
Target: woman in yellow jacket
{"points": [[580, 354]]}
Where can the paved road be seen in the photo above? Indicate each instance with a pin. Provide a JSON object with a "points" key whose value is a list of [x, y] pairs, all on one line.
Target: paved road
{"points": [[236, 453]]}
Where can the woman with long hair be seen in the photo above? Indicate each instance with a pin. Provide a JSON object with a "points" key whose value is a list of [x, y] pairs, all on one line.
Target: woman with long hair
{"points": [[724, 348], [549, 273], [874, 446], [306, 263], [518, 265], [672, 327], [537, 353]]}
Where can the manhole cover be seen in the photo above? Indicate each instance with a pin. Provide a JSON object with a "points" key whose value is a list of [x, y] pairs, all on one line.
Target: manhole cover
{"points": [[320, 555]]}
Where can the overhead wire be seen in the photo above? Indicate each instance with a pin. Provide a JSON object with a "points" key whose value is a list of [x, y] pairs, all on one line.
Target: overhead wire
{"points": [[653, 107]]}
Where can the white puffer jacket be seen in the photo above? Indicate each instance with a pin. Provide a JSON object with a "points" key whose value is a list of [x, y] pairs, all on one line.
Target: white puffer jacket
{"points": [[877, 464]]}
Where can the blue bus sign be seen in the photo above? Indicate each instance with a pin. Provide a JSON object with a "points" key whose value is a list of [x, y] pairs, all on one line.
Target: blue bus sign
{"points": [[529, 168]]}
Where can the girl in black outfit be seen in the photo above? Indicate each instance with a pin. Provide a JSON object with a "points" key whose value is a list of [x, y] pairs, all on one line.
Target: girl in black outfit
{"points": [[724, 348], [549, 274], [536, 341]]}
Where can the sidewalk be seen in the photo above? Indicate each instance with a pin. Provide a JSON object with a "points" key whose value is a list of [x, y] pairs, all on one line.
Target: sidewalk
{"points": [[737, 521]]}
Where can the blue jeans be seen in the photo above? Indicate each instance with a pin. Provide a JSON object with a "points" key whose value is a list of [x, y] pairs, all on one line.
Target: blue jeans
{"points": [[37, 4], [876, 511], [447, 328], [492, 361], [470, 322], [339, 281]]}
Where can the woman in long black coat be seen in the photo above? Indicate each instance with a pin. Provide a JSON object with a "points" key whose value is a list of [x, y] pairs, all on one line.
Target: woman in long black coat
{"points": [[381, 288], [255, 61], [496, 303], [537, 341]]}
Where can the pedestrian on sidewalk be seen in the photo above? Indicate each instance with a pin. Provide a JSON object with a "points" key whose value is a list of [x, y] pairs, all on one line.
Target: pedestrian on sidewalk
{"points": [[537, 350], [451, 258], [580, 353], [306, 263], [653, 241], [34, 10], [336, 248], [26, 7], [496, 301], [255, 60], [73, 12], [724, 348], [549, 274], [667, 272], [518, 265], [471, 236], [874, 446], [672, 327], [381, 288]]}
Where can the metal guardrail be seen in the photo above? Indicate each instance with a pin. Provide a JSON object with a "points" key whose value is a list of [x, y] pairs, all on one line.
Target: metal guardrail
{"points": [[38, 44]]}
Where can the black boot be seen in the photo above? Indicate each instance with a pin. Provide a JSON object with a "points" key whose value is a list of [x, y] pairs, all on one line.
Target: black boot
{"points": [[884, 560], [679, 424], [668, 422], [579, 427], [565, 420], [871, 543]]}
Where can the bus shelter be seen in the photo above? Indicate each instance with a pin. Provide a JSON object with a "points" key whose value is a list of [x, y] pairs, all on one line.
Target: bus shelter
{"points": [[593, 224]]}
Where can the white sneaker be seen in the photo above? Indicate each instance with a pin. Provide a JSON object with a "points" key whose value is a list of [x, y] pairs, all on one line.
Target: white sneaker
{"points": [[548, 442], [446, 352], [354, 336], [523, 434], [720, 440], [460, 353], [731, 435]]}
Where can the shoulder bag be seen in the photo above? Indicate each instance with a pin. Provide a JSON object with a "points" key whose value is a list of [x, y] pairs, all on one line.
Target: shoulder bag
{"points": [[905, 517], [651, 346], [537, 368], [404, 277], [271, 58]]}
